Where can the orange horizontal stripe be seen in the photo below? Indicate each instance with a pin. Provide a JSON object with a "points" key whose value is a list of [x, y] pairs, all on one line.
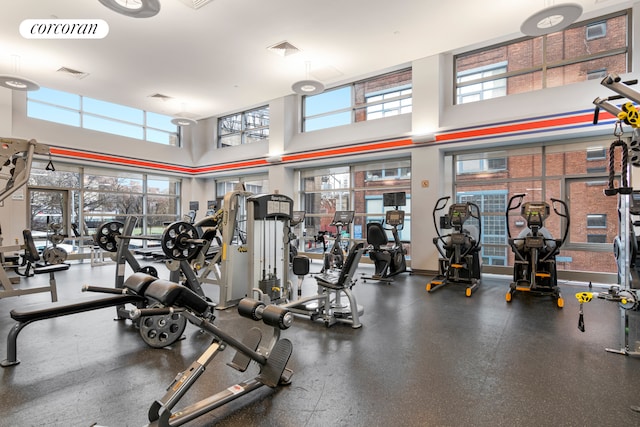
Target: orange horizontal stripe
{"points": [[515, 127], [118, 160], [386, 145]]}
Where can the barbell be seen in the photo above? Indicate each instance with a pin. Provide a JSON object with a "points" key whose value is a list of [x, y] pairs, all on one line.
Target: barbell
{"points": [[179, 240]]}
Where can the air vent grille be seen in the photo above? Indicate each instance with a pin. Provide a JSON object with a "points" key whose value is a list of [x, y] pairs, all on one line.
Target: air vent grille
{"points": [[283, 48], [75, 73], [160, 96], [196, 4]]}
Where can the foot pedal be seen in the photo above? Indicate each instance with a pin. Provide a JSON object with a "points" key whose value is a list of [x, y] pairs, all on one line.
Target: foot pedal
{"points": [[276, 363], [252, 339]]}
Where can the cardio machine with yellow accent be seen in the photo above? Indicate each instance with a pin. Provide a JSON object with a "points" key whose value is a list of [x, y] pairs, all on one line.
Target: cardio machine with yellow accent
{"points": [[535, 249], [460, 249]]}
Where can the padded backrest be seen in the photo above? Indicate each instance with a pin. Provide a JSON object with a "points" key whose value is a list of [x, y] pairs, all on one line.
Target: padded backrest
{"points": [[351, 263], [30, 250], [138, 282], [376, 236], [301, 265], [173, 294]]}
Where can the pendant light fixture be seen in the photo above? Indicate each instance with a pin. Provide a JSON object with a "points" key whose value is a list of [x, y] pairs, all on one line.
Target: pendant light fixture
{"points": [[551, 19], [308, 86], [133, 8], [182, 119], [14, 82]]}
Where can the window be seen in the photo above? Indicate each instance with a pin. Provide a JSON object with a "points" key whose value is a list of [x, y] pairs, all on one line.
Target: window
{"points": [[596, 220], [559, 171], [244, 128], [382, 96], [583, 51], [388, 103], [596, 31], [492, 205], [597, 238], [99, 195], [79, 111], [485, 87], [596, 153], [359, 187], [476, 163]]}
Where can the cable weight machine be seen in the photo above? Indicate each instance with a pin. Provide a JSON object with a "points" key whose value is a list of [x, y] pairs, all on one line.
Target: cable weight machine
{"points": [[268, 237], [627, 291]]}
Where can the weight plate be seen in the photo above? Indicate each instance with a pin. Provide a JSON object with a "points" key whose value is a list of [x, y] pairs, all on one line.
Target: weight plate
{"points": [[54, 256], [106, 235], [162, 330], [177, 241], [150, 270]]}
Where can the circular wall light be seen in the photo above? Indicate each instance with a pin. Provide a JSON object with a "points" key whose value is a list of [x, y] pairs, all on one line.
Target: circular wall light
{"points": [[551, 19], [308, 87], [18, 83], [133, 8]]}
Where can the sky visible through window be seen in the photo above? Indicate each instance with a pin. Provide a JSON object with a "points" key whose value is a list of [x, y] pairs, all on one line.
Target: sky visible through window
{"points": [[102, 116]]}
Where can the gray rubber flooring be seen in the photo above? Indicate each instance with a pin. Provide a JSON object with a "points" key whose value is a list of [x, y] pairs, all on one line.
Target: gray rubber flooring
{"points": [[421, 359]]}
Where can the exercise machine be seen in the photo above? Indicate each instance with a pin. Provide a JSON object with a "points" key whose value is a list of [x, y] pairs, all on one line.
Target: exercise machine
{"points": [[334, 301], [460, 261], [157, 331], [626, 293], [535, 249], [268, 245], [388, 260], [179, 241], [334, 259], [271, 356], [16, 155], [228, 267]]}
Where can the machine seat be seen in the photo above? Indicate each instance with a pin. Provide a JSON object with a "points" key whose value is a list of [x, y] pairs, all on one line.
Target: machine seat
{"points": [[376, 235], [172, 294], [136, 283], [342, 280]]}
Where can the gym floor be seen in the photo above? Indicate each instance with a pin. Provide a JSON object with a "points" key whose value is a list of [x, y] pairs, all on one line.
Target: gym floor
{"points": [[420, 359]]}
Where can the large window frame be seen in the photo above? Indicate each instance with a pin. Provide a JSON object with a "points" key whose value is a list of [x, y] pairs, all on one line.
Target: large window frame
{"points": [[539, 67], [358, 187], [385, 95], [542, 171], [99, 195], [244, 127], [93, 114]]}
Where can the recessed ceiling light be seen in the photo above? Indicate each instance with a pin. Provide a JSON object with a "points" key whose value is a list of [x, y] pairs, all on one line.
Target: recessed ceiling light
{"points": [[133, 8], [551, 19], [18, 83]]}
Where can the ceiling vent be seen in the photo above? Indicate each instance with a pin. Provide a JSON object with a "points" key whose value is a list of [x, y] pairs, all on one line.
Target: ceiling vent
{"points": [[283, 49], [196, 4], [160, 97], [74, 73]]}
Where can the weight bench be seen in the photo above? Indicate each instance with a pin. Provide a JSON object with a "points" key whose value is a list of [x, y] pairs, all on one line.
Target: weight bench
{"points": [[132, 293], [272, 358], [31, 258]]}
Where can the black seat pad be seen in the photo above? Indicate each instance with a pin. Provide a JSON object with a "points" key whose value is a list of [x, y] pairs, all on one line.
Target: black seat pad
{"points": [[172, 294], [49, 310]]}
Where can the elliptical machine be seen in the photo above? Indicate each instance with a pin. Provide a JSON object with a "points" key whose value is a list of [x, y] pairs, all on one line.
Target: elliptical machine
{"points": [[388, 260], [535, 249], [459, 250]]}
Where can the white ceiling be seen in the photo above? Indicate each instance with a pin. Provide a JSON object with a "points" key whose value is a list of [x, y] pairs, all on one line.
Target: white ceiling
{"points": [[214, 60]]}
